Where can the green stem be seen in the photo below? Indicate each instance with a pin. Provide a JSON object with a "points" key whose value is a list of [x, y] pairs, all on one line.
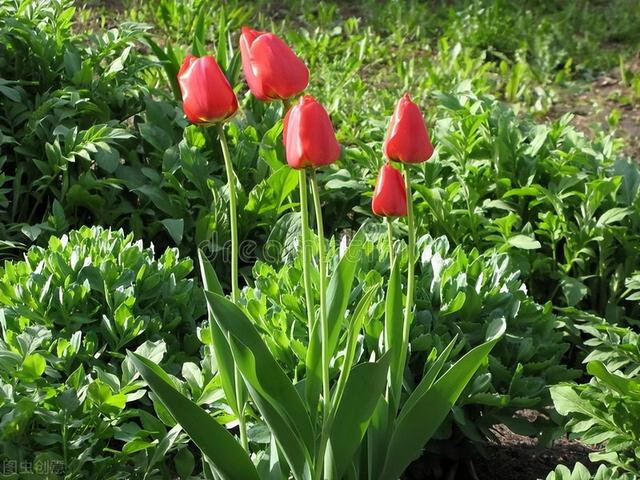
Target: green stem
{"points": [[233, 213], [235, 291], [306, 245], [324, 328], [411, 264], [392, 254], [324, 325]]}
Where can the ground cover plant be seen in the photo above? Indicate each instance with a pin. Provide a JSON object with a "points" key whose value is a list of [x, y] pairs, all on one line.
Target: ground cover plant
{"points": [[316, 240]]}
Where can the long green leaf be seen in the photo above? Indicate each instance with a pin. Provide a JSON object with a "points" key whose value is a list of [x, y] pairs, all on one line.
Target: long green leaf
{"points": [[378, 438], [221, 349], [417, 425], [270, 388], [339, 288], [338, 292], [363, 390], [208, 274], [230, 460], [313, 377], [358, 318], [428, 380], [393, 336]]}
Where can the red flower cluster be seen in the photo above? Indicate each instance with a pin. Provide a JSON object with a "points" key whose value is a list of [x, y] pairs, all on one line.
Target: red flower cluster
{"points": [[274, 72]]}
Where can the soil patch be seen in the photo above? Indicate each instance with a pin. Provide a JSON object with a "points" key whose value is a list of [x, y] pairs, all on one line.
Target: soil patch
{"points": [[519, 458], [607, 103]]}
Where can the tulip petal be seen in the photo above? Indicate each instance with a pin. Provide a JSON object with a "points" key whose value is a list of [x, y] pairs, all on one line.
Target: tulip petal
{"points": [[390, 194], [407, 138], [308, 135], [279, 71], [206, 93], [247, 38]]}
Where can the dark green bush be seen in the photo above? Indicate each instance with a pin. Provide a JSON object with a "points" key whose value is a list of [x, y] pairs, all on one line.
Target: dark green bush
{"points": [[89, 134]]}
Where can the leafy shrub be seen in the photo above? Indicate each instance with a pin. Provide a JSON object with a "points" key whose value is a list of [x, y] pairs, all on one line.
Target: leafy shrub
{"points": [[580, 472], [457, 293], [566, 209], [65, 100], [68, 313], [462, 293], [606, 410], [89, 135]]}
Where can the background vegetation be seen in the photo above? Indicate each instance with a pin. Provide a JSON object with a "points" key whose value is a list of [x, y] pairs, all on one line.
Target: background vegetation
{"points": [[529, 210]]}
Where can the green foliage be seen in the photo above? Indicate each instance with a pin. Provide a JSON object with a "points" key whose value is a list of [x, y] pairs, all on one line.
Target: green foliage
{"points": [[606, 410], [461, 294], [89, 136], [65, 100], [293, 424], [525, 221], [566, 209], [68, 393], [580, 472]]}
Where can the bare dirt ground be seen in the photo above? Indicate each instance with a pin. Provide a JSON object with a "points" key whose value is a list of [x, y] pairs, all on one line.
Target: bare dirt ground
{"points": [[516, 457], [596, 106]]}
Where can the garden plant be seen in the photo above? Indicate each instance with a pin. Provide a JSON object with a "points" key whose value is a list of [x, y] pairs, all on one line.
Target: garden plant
{"points": [[310, 240]]}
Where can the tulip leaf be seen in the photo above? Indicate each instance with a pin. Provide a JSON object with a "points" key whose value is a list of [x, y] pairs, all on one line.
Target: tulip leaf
{"points": [[417, 423], [364, 389], [378, 438], [358, 318], [230, 460], [393, 324], [313, 379], [272, 391], [221, 349], [339, 288], [208, 274], [428, 380], [338, 292]]}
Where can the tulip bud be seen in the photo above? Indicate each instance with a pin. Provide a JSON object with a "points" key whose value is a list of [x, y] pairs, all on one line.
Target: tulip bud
{"points": [[308, 135], [390, 195], [407, 138], [272, 70], [207, 96]]}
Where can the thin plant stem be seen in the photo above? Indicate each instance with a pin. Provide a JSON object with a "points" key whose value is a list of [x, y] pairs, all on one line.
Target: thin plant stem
{"points": [[322, 264], [233, 213], [411, 265], [392, 255], [324, 325], [235, 291], [306, 245]]}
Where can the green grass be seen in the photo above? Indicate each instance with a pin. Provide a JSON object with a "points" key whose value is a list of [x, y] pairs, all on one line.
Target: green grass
{"points": [[519, 51]]}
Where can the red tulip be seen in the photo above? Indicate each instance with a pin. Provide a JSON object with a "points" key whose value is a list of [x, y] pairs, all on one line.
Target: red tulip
{"points": [[272, 70], [407, 137], [390, 195], [308, 135], [207, 96]]}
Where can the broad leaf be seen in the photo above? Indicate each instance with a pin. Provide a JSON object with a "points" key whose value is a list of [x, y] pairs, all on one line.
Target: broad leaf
{"points": [[363, 391], [221, 350], [393, 332], [417, 424], [230, 460], [273, 392]]}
